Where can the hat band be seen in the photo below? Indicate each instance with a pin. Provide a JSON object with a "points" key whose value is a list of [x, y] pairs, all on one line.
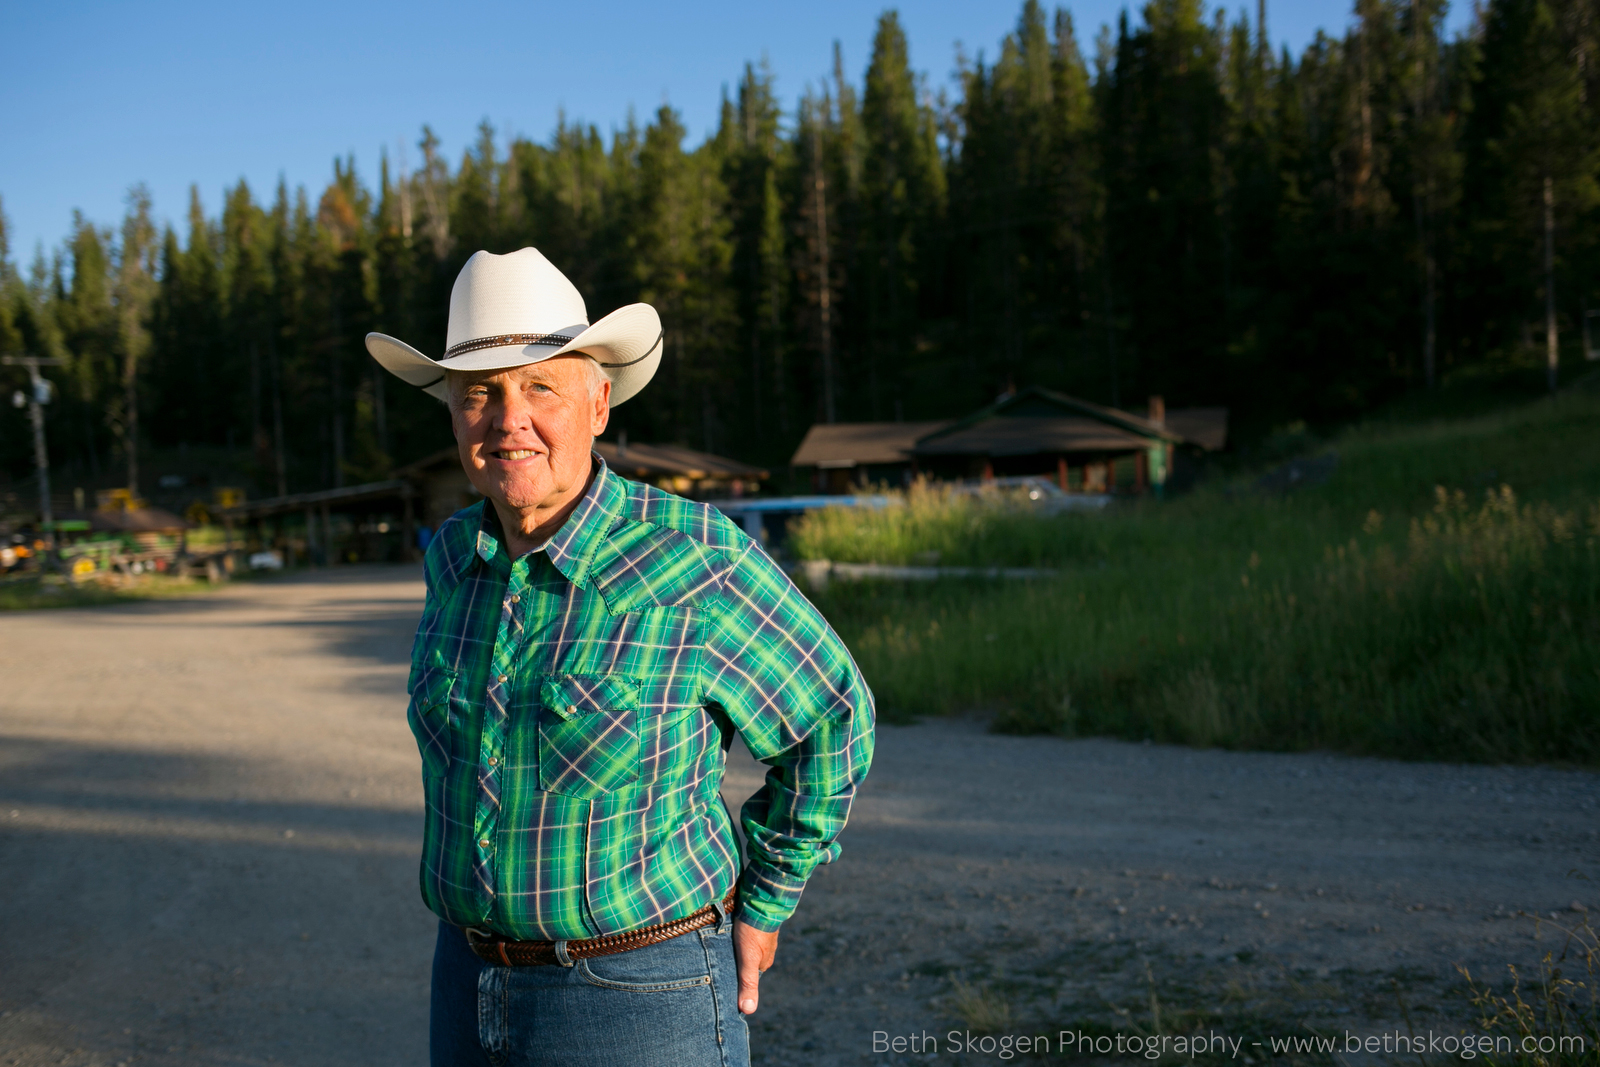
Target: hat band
{"points": [[642, 358], [500, 340]]}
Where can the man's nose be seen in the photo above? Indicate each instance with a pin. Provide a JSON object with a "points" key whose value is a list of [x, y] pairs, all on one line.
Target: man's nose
{"points": [[515, 412]]}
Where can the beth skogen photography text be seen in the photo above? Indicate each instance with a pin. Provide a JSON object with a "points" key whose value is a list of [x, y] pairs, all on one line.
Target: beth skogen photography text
{"points": [[1212, 1046], [937, 535]]}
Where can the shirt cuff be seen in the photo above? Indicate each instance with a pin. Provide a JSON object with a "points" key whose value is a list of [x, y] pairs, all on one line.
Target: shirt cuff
{"points": [[767, 897]]}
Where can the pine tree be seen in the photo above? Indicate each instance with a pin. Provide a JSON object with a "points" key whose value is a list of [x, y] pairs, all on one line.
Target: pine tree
{"points": [[188, 381], [1022, 196], [1296, 236], [343, 250], [433, 197], [13, 294], [476, 216], [1429, 155], [1076, 201], [1162, 132], [14, 312], [1532, 157], [88, 322], [814, 271], [247, 298], [682, 257], [134, 294], [902, 192], [1250, 187], [751, 171]]}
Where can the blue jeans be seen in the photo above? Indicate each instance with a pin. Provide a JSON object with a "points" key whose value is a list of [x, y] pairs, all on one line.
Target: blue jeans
{"points": [[672, 1004]]}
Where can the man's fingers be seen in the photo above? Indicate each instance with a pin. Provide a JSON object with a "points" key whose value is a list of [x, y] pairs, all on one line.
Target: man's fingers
{"points": [[748, 954], [749, 989], [753, 951]]}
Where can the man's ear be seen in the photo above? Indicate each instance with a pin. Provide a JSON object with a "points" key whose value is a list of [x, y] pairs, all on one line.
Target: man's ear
{"points": [[600, 412], [455, 416], [450, 403]]}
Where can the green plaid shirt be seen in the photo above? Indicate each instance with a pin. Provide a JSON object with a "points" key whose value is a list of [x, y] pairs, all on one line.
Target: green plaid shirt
{"points": [[574, 708]]}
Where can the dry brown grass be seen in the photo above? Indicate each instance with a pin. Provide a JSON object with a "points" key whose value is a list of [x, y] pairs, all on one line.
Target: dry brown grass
{"points": [[1552, 1019]]}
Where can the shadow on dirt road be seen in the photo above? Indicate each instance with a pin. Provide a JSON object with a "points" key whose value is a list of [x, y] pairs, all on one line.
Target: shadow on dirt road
{"points": [[210, 815]]}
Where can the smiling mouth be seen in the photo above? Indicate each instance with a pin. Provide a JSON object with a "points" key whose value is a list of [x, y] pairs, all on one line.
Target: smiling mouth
{"points": [[515, 453]]}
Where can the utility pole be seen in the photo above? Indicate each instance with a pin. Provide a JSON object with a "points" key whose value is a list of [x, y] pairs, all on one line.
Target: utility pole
{"points": [[40, 396]]}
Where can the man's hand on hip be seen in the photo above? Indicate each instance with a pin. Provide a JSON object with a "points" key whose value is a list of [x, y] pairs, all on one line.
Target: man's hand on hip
{"points": [[755, 950]]}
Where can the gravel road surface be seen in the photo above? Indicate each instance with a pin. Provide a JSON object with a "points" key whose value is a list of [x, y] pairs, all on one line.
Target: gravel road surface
{"points": [[210, 814]]}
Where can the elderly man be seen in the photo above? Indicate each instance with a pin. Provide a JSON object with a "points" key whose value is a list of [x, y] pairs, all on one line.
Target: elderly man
{"points": [[588, 649]]}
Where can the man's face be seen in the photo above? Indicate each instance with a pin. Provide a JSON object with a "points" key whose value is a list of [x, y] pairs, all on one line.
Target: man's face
{"points": [[525, 433]]}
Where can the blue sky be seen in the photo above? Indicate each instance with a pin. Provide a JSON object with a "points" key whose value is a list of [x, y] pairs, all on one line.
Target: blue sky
{"points": [[97, 96]]}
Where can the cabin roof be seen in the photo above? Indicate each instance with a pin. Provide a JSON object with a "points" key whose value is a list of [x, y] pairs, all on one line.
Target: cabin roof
{"points": [[858, 444], [1027, 435], [1037, 404]]}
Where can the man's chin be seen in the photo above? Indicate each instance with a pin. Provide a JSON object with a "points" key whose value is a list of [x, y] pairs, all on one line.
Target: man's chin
{"points": [[517, 493]]}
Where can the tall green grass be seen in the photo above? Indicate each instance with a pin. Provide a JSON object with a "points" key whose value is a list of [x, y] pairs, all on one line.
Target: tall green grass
{"points": [[1432, 622], [931, 524]]}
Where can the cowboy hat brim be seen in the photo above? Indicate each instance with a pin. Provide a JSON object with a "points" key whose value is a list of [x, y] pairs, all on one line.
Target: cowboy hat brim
{"points": [[626, 343]]}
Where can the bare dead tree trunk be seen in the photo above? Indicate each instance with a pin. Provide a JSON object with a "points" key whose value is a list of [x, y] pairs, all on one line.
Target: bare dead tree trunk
{"points": [[779, 384], [258, 432], [130, 386], [819, 192], [1422, 196], [1430, 305], [380, 411], [1111, 333], [277, 422], [1552, 355], [336, 391], [1364, 167]]}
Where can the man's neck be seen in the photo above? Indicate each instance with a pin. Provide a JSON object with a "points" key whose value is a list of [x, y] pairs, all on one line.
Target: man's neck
{"points": [[526, 529]]}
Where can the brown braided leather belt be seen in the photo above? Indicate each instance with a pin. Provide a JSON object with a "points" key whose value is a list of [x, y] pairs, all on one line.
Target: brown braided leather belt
{"points": [[492, 948]]}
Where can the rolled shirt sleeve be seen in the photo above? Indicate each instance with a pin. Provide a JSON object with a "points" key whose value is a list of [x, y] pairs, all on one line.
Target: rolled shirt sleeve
{"points": [[791, 688]]}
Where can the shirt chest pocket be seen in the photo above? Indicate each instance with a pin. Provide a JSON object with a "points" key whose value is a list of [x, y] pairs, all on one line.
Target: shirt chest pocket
{"points": [[429, 718], [589, 734]]}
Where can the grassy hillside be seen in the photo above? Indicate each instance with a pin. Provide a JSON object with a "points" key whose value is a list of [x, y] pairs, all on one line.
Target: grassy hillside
{"points": [[1437, 597]]}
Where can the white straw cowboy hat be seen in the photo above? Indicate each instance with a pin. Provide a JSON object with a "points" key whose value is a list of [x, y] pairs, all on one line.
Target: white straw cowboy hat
{"points": [[516, 309]]}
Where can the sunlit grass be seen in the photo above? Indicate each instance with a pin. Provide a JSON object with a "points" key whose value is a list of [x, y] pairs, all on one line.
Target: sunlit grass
{"points": [[1374, 614], [25, 593]]}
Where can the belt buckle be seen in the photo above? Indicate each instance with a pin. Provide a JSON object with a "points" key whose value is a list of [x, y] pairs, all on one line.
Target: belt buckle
{"points": [[477, 937]]}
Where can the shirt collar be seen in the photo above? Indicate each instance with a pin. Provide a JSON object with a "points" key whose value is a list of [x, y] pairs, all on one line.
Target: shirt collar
{"points": [[572, 548]]}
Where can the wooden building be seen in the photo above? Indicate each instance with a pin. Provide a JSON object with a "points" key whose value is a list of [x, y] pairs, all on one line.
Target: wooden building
{"points": [[1083, 446]]}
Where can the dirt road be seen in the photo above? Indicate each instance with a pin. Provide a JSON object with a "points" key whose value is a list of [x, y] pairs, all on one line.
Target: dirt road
{"points": [[210, 811]]}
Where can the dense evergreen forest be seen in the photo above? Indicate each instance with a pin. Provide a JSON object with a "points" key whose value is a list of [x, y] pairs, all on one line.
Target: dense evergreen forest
{"points": [[1172, 208]]}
